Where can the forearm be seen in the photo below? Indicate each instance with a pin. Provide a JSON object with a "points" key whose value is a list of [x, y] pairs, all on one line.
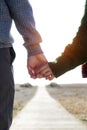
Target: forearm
{"points": [[74, 54], [22, 14]]}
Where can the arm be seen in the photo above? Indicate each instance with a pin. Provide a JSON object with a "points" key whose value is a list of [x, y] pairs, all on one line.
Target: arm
{"points": [[74, 54], [22, 14]]}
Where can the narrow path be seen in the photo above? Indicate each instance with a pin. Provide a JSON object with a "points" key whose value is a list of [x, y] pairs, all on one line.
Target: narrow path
{"points": [[44, 113]]}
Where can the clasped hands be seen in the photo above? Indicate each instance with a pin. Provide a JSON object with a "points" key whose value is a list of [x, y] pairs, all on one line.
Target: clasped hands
{"points": [[38, 67]]}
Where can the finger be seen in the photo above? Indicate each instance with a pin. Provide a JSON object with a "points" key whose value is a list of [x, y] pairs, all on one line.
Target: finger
{"points": [[45, 72], [33, 77], [41, 68], [32, 73], [39, 76], [50, 77]]}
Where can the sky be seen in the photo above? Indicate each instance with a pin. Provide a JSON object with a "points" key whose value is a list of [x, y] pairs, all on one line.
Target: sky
{"points": [[57, 21]]}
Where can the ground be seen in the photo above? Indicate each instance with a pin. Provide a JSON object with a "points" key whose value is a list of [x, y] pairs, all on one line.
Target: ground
{"points": [[72, 96], [23, 94]]}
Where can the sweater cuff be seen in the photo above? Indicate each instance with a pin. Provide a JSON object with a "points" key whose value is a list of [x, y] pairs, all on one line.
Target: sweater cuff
{"points": [[33, 49], [55, 69], [62, 66]]}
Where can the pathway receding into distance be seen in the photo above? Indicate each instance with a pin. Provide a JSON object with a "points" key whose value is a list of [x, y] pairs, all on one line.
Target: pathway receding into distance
{"points": [[44, 113]]}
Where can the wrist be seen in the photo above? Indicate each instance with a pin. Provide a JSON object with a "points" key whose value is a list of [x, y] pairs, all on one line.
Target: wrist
{"points": [[33, 49]]}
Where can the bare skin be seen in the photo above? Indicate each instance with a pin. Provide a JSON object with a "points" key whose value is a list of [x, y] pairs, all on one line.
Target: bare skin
{"points": [[38, 67]]}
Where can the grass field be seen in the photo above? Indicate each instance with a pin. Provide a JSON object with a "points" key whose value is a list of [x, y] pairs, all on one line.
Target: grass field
{"points": [[73, 97]]}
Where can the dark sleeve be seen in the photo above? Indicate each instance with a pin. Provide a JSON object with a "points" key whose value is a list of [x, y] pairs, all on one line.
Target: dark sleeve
{"points": [[74, 54]]}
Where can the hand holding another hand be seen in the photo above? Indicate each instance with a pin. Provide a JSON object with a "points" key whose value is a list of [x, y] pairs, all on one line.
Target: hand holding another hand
{"points": [[38, 67]]}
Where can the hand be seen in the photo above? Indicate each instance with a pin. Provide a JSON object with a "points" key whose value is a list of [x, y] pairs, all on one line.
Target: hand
{"points": [[36, 67], [45, 72], [34, 63]]}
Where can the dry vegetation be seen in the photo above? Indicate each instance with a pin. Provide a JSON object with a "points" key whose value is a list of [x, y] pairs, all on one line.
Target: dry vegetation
{"points": [[73, 97], [23, 94]]}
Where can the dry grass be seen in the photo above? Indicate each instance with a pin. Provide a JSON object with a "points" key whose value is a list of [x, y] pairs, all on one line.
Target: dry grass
{"points": [[18, 106], [73, 97], [23, 94]]}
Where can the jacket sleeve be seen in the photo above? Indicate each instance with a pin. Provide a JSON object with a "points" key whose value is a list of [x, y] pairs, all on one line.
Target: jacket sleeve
{"points": [[22, 14], [74, 54]]}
